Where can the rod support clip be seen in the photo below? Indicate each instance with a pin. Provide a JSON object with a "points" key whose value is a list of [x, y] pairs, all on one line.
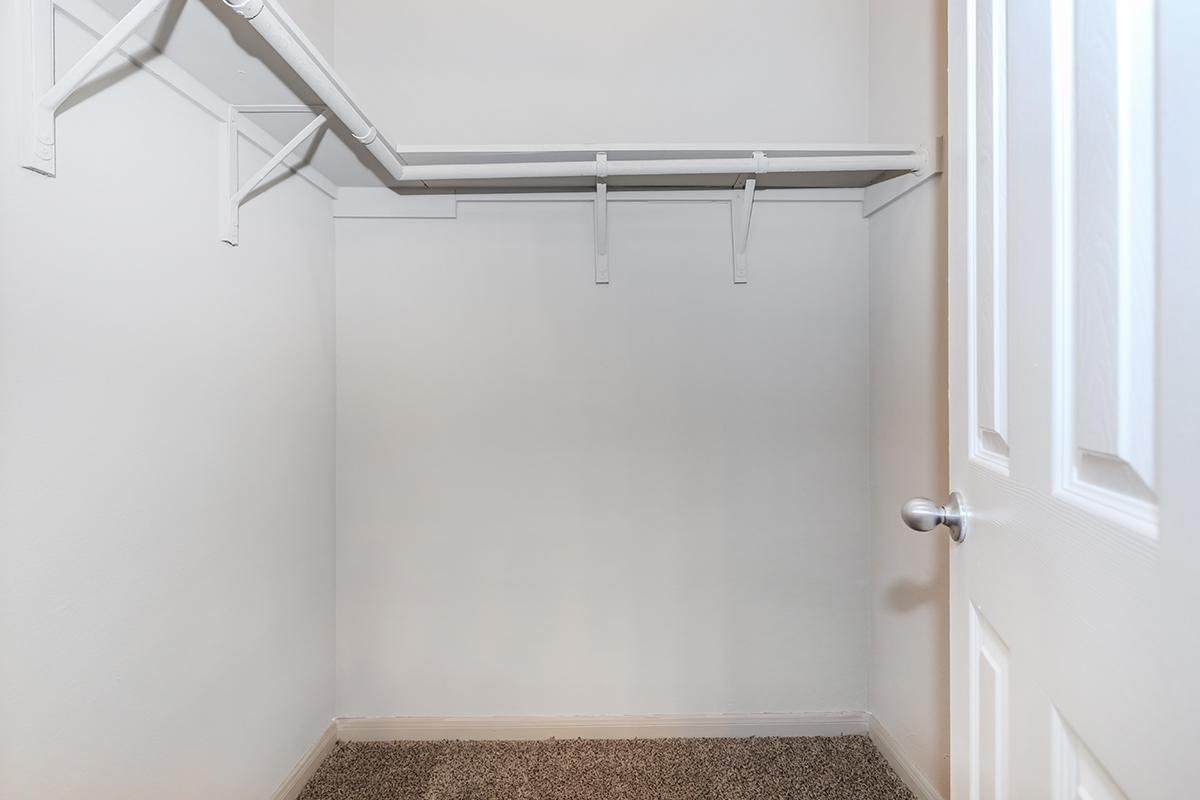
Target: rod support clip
{"points": [[762, 164], [601, 218], [247, 8], [370, 136]]}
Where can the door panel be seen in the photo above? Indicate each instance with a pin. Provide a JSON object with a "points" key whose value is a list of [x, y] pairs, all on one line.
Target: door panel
{"points": [[988, 219], [1103, 121], [1071, 650], [989, 722], [1077, 773]]}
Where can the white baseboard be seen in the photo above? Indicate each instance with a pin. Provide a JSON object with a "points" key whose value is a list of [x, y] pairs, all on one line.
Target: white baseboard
{"points": [[658, 726], [912, 777], [653, 726], [307, 766]]}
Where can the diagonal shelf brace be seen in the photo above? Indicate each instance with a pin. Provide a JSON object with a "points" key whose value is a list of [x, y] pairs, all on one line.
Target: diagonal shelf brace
{"points": [[741, 230], [44, 94], [233, 195], [741, 218], [601, 218], [880, 195]]}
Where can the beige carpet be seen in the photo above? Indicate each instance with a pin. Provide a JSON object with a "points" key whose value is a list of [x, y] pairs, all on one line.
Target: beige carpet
{"points": [[761, 768]]}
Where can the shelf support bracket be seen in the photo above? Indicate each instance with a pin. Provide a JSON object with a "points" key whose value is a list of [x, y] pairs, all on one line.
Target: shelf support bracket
{"points": [[601, 218], [232, 194], [741, 219], [45, 95], [880, 195]]}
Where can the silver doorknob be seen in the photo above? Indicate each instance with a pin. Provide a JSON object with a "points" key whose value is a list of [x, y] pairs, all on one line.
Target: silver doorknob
{"points": [[922, 514]]}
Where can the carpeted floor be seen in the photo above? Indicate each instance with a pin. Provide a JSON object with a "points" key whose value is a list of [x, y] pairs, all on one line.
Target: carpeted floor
{"points": [[761, 768]]}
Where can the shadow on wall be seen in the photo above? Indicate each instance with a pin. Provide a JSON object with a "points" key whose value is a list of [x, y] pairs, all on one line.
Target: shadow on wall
{"points": [[908, 595]]}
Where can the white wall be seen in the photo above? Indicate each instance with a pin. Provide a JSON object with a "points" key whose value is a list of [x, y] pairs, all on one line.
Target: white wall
{"points": [[315, 18], [910, 634], [166, 409], [543, 71], [555, 497], [558, 498]]}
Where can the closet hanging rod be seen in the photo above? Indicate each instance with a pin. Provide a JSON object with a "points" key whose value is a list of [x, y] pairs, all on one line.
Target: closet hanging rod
{"points": [[282, 33], [911, 162]]}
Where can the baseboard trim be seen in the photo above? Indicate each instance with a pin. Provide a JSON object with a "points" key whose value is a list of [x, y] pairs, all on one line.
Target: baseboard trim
{"points": [[913, 778], [651, 726], [307, 766], [657, 726]]}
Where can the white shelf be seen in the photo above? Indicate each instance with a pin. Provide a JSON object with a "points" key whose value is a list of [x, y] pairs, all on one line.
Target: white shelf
{"points": [[216, 48], [252, 67], [220, 50], [420, 155]]}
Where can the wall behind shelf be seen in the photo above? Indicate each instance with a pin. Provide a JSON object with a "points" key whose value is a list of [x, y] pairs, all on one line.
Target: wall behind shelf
{"points": [[547, 71], [562, 498], [315, 18]]}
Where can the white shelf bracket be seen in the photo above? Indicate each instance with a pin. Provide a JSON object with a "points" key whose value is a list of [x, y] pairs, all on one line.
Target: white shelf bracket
{"points": [[43, 94], [232, 195], [741, 218], [601, 218], [880, 195]]}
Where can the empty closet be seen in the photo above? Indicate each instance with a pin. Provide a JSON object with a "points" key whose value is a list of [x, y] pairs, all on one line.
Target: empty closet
{"points": [[432, 361]]}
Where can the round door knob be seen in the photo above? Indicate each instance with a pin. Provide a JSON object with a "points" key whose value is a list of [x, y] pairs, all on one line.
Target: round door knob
{"points": [[923, 514]]}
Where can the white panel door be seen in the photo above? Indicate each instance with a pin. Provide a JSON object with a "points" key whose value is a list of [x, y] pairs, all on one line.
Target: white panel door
{"points": [[1075, 398]]}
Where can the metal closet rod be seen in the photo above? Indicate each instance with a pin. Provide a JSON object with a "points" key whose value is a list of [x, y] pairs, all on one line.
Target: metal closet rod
{"points": [[602, 168], [282, 33]]}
